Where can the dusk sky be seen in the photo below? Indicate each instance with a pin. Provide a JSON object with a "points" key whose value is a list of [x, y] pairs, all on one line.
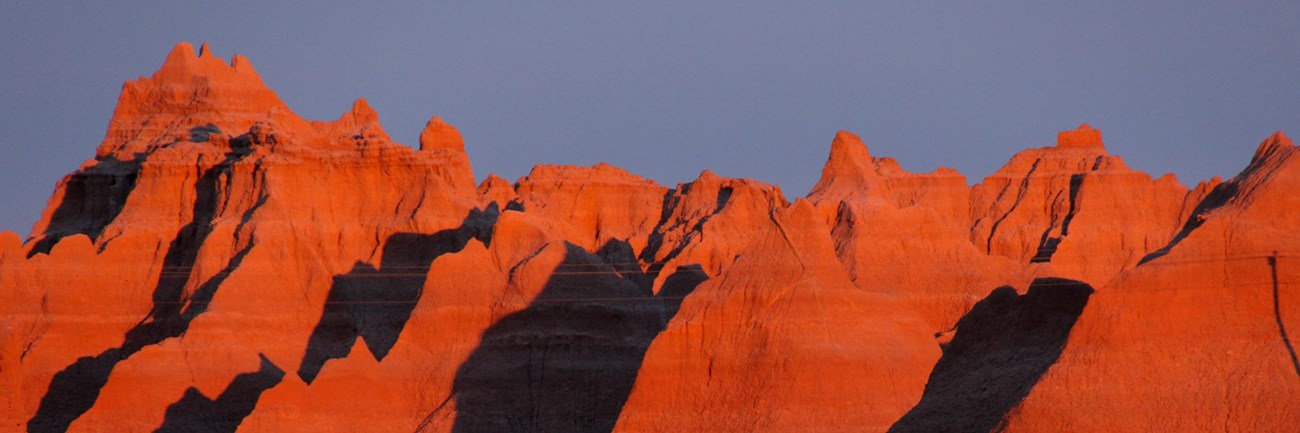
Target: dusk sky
{"points": [[750, 89]]}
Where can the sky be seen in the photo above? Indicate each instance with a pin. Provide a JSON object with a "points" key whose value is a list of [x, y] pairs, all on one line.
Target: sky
{"points": [[751, 89]]}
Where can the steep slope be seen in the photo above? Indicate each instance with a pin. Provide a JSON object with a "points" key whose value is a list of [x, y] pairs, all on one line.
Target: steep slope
{"points": [[1202, 336]]}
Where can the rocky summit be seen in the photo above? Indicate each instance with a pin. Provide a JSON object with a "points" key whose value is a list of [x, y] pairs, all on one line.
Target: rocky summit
{"points": [[222, 264]]}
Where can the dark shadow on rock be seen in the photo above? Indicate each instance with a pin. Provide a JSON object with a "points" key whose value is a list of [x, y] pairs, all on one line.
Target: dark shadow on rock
{"points": [[1001, 349], [619, 255], [73, 390], [92, 198], [724, 196], [672, 200], [375, 303], [202, 133], [567, 362], [195, 412], [656, 239], [1277, 315], [1217, 197], [680, 283]]}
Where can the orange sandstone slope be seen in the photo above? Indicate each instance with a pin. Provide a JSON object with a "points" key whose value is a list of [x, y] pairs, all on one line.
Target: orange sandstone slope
{"points": [[222, 264], [1203, 335]]}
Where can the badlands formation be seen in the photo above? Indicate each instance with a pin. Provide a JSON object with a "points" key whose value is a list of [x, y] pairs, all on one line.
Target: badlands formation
{"points": [[223, 265]]}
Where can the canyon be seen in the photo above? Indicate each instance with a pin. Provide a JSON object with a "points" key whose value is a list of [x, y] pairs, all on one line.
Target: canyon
{"points": [[222, 264]]}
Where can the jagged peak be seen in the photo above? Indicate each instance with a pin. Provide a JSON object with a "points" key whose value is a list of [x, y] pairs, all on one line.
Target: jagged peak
{"points": [[358, 117], [1272, 152], [1083, 137], [180, 53], [1266, 185], [849, 161], [850, 169], [848, 151], [438, 134], [849, 145], [361, 121], [362, 110], [183, 64], [189, 89], [1277, 141]]}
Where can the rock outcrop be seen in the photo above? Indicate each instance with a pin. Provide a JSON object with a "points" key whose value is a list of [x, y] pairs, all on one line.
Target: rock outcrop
{"points": [[1202, 335], [905, 234], [222, 264], [1076, 207]]}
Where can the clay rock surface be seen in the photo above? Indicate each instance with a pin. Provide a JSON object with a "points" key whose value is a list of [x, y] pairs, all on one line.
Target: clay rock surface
{"points": [[905, 234], [1201, 336], [221, 264], [1076, 207]]}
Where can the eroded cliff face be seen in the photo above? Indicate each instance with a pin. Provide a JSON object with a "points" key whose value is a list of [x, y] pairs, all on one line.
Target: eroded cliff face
{"points": [[1076, 208], [1202, 335], [222, 264], [906, 234]]}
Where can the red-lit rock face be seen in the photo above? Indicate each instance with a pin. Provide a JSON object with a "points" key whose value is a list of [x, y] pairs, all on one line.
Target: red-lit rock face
{"points": [[1200, 325], [223, 264], [1075, 208]]}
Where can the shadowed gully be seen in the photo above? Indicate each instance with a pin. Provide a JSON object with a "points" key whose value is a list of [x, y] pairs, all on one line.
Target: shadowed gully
{"points": [[568, 361], [1002, 346]]}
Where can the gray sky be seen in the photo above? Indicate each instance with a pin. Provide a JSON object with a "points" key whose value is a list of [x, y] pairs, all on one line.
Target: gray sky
{"points": [[751, 89]]}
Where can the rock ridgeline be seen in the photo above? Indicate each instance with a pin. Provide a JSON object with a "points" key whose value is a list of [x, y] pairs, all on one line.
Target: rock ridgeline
{"points": [[222, 264]]}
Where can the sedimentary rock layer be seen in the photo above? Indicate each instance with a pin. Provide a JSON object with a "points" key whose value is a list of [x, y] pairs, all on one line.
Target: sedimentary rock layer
{"points": [[222, 264]]}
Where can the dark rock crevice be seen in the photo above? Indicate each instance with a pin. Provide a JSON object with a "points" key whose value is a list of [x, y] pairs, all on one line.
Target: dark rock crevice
{"points": [[1277, 316], [1048, 244], [1020, 197]]}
